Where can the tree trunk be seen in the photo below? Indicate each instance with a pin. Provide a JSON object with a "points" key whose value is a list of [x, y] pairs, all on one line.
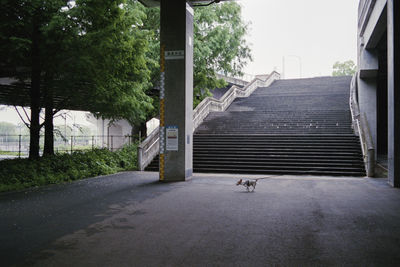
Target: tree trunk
{"points": [[35, 97], [35, 125], [48, 124]]}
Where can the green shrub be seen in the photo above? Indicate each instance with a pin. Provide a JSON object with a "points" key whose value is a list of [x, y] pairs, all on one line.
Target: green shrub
{"points": [[17, 174]]}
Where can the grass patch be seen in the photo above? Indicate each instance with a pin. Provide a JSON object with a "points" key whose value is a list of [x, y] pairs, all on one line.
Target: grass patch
{"points": [[16, 174], [9, 153]]}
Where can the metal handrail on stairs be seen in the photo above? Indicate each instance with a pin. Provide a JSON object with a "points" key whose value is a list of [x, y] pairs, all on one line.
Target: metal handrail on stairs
{"points": [[149, 148], [361, 128]]}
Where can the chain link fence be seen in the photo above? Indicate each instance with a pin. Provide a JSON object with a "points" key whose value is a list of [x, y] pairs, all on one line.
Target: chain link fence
{"points": [[12, 146]]}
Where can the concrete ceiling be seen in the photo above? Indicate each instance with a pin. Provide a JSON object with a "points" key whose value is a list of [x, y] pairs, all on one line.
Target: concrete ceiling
{"points": [[155, 3]]}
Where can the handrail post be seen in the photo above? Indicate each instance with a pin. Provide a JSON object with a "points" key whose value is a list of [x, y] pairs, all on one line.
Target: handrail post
{"points": [[140, 158]]}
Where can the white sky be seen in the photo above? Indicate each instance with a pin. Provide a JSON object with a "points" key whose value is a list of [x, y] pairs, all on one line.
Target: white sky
{"points": [[320, 32], [313, 33]]}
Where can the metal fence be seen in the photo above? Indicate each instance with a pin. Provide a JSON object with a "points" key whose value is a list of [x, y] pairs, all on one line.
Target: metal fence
{"points": [[18, 145]]}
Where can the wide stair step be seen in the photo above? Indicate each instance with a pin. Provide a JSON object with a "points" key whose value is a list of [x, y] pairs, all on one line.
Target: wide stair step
{"points": [[338, 155]]}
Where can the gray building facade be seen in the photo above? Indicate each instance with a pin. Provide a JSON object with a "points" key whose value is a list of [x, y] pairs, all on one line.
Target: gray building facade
{"points": [[378, 82]]}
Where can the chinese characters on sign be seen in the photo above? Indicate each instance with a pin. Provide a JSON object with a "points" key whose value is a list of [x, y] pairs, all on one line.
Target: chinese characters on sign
{"points": [[177, 54]]}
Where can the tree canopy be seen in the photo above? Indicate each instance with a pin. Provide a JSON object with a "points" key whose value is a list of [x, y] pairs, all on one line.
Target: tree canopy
{"points": [[114, 57], [346, 68], [88, 51], [104, 55], [219, 46]]}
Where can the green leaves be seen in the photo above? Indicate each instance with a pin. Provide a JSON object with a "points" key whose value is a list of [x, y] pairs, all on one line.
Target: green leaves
{"points": [[346, 68], [22, 173], [93, 53], [219, 46], [117, 51]]}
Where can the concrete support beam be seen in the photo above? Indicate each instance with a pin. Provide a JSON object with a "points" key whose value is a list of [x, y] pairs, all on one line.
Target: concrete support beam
{"points": [[177, 113], [376, 24], [369, 64], [393, 30]]}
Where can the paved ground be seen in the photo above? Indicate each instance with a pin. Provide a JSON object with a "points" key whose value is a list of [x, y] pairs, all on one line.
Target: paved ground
{"points": [[130, 219]]}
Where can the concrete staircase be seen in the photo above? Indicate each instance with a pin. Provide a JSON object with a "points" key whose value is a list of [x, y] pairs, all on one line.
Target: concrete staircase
{"points": [[299, 126]]}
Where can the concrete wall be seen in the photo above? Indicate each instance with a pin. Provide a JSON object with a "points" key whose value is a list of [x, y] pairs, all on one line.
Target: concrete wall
{"points": [[371, 29], [372, 24], [105, 129], [393, 42], [377, 18]]}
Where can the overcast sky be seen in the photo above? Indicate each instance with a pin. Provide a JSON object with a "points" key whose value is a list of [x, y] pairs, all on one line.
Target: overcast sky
{"points": [[316, 32], [311, 33]]}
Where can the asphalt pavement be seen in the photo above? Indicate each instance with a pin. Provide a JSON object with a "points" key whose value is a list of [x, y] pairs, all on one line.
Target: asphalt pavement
{"points": [[130, 219]]}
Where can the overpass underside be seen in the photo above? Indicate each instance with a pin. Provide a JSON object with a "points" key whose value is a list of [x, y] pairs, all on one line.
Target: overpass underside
{"points": [[63, 99]]}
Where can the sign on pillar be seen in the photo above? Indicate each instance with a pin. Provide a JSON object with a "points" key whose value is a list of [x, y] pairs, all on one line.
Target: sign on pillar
{"points": [[172, 138]]}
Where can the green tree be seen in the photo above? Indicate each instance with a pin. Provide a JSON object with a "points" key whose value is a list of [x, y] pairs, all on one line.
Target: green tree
{"points": [[219, 46], [89, 53], [115, 51], [346, 68], [23, 50], [151, 26]]}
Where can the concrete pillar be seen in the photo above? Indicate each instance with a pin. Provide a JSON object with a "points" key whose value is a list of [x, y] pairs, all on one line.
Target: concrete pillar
{"points": [[367, 104], [176, 105], [368, 70], [393, 40]]}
